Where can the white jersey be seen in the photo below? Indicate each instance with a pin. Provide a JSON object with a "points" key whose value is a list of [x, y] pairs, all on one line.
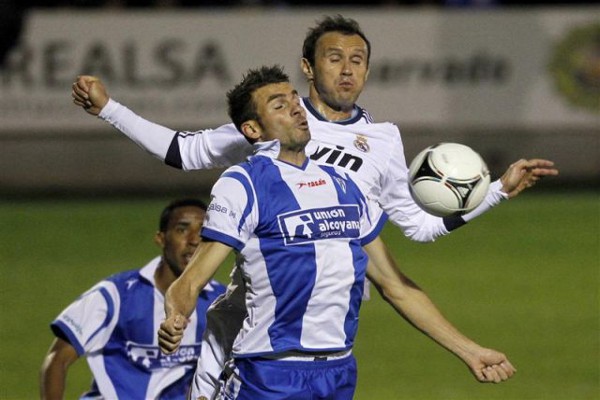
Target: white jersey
{"points": [[299, 233], [371, 153]]}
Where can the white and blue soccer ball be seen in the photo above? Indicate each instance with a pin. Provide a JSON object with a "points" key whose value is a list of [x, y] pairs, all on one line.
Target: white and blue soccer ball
{"points": [[448, 179]]}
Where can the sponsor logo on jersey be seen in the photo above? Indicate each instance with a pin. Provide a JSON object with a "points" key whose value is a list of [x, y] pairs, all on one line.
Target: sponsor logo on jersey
{"points": [[221, 209], [149, 357], [361, 143], [337, 156], [319, 182], [73, 324], [306, 226]]}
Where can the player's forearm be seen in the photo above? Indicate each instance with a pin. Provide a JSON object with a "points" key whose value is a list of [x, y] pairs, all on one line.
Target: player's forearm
{"points": [[53, 379], [181, 297], [153, 138], [418, 309]]}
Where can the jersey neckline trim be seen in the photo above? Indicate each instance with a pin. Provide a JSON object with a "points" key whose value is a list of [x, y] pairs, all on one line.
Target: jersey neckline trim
{"points": [[359, 112]]}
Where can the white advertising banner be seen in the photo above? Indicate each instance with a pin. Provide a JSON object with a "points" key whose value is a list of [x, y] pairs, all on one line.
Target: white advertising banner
{"points": [[531, 68]]}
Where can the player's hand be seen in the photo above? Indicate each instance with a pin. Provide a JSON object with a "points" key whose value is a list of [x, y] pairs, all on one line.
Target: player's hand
{"points": [[524, 174], [170, 333], [490, 366], [89, 93]]}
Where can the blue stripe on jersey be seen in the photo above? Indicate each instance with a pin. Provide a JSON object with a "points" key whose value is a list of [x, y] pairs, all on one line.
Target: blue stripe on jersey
{"points": [[375, 231], [110, 311], [134, 323], [291, 269], [123, 372], [360, 260], [138, 324], [249, 194], [348, 192], [217, 236]]}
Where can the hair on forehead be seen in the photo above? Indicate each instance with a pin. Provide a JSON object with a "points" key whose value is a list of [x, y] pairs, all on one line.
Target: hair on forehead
{"points": [[336, 23], [241, 108], [167, 212]]}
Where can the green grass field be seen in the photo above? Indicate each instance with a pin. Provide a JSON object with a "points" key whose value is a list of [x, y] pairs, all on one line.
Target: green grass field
{"points": [[523, 279]]}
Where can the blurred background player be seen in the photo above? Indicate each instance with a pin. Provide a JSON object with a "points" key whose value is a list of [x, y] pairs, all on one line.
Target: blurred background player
{"points": [[114, 323], [304, 285]]}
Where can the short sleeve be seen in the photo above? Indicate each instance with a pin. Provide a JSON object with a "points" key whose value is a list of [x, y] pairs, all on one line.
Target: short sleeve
{"points": [[231, 214], [88, 322]]}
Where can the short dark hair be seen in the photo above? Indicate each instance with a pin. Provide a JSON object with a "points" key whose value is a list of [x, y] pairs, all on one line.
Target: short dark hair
{"points": [[239, 99], [337, 23], [165, 216]]}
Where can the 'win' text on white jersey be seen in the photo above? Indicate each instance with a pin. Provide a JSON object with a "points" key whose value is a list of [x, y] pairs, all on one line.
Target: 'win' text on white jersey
{"points": [[299, 233]]}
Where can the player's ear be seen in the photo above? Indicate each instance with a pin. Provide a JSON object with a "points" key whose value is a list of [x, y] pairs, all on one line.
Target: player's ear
{"points": [[159, 239], [367, 74], [251, 129], [306, 69]]}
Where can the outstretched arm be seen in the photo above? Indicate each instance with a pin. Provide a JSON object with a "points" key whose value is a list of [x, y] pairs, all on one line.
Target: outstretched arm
{"points": [[414, 305], [182, 295], [211, 148], [53, 374]]}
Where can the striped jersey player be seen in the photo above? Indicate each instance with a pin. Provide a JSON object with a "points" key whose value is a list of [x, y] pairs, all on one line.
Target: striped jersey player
{"points": [[114, 326], [293, 228]]}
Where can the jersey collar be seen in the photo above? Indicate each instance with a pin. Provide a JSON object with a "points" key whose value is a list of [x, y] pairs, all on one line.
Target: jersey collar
{"points": [[357, 113]]}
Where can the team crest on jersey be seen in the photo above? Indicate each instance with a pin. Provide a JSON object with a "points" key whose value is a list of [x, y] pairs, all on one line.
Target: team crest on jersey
{"points": [[306, 226], [341, 183], [361, 143], [149, 357]]}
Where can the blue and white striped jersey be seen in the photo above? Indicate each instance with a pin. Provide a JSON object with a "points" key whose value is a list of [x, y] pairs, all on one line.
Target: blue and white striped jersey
{"points": [[114, 326], [299, 234]]}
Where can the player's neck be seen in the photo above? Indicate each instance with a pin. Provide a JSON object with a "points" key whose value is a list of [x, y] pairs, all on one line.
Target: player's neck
{"points": [[327, 112], [293, 157]]}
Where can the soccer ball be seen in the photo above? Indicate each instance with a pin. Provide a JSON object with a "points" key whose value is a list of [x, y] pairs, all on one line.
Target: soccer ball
{"points": [[448, 179]]}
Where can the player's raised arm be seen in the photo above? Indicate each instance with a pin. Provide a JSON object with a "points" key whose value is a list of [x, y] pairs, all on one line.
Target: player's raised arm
{"points": [[211, 148], [414, 305]]}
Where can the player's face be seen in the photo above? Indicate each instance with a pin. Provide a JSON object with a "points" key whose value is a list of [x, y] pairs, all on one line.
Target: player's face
{"points": [[281, 115], [181, 238], [340, 69]]}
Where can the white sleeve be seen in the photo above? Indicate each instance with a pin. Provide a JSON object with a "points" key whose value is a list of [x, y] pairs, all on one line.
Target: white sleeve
{"points": [[205, 149], [89, 321], [494, 196], [397, 202], [231, 215]]}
